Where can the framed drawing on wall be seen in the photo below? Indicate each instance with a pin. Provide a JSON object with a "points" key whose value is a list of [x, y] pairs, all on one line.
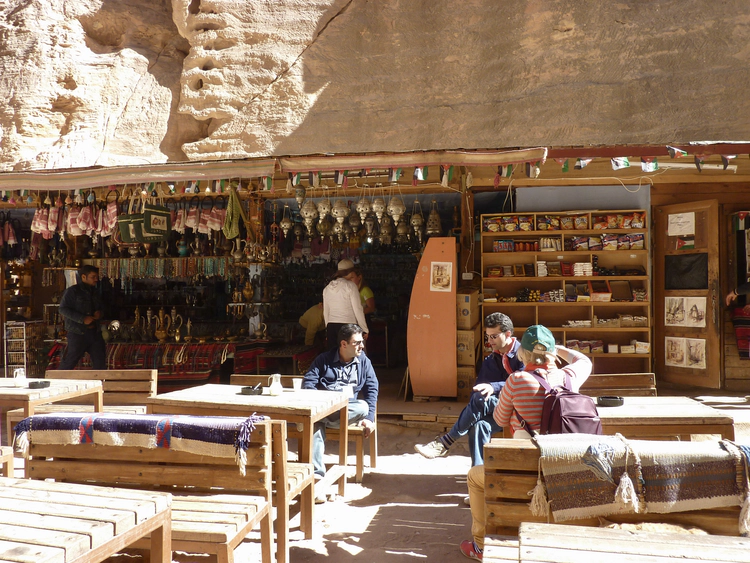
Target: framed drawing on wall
{"points": [[441, 276]]}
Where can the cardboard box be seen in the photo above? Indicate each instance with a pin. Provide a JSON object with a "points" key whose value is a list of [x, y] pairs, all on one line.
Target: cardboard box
{"points": [[468, 343], [466, 378], [600, 291], [467, 308]]}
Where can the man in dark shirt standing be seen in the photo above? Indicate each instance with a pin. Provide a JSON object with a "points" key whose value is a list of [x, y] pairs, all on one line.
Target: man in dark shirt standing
{"points": [[476, 418], [81, 307], [348, 370]]}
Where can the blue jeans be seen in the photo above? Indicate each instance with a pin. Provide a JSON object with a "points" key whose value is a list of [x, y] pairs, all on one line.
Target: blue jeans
{"points": [[357, 411], [476, 421]]}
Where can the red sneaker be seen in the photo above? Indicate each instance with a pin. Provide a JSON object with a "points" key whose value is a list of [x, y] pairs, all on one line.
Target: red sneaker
{"points": [[470, 550]]}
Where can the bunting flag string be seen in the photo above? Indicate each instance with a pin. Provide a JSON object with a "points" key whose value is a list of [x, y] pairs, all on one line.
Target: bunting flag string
{"points": [[649, 164], [674, 152], [532, 169], [582, 163], [420, 174], [563, 162], [446, 174], [341, 178], [503, 172], [620, 162], [266, 183], [313, 179], [394, 174]]}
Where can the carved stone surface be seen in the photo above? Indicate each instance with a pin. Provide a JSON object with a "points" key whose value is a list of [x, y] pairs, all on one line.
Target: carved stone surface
{"points": [[114, 82]]}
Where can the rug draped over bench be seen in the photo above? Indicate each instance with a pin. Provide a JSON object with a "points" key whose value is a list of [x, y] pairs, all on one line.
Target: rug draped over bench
{"points": [[214, 436], [587, 476]]}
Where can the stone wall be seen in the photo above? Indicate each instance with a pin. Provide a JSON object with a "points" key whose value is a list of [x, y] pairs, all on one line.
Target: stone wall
{"points": [[117, 82]]}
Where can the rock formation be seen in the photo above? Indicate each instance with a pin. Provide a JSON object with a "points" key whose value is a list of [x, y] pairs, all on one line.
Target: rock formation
{"points": [[116, 82]]}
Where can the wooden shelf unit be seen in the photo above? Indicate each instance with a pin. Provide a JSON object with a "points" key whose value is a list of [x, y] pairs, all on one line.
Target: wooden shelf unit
{"points": [[615, 322]]}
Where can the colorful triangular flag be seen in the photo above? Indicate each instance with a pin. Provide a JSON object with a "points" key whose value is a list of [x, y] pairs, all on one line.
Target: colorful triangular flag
{"points": [[394, 174], [620, 162], [532, 169], [266, 183], [674, 152], [446, 174], [581, 163], [725, 158], [699, 158], [649, 164], [420, 174], [563, 162]]}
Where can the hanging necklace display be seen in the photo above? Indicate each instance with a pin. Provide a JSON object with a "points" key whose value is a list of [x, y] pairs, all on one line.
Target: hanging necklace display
{"points": [[433, 222]]}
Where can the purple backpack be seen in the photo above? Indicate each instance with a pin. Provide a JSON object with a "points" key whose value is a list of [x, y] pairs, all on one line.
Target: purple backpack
{"points": [[565, 411]]}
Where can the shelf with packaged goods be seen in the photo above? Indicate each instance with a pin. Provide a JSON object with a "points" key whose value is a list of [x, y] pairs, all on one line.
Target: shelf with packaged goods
{"points": [[543, 273]]}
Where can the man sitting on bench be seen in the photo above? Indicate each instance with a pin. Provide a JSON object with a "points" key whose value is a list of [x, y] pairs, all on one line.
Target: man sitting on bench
{"points": [[348, 370]]}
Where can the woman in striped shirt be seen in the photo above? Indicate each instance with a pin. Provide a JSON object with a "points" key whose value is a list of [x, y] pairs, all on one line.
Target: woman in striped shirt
{"points": [[522, 391]]}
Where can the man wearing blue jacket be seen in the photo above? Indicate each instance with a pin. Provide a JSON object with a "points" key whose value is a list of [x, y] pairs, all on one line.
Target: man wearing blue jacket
{"points": [[476, 418], [348, 370]]}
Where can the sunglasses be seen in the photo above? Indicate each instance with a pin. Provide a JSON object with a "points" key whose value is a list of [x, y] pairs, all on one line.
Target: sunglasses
{"points": [[491, 337]]}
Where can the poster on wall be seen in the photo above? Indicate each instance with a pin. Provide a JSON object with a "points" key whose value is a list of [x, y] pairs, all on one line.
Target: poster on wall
{"points": [[695, 308], [674, 351], [441, 276], [681, 224], [696, 353], [674, 311], [685, 311]]}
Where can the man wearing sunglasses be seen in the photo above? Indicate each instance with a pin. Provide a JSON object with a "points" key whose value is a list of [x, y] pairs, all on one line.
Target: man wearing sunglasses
{"points": [[348, 370], [476, 418]]}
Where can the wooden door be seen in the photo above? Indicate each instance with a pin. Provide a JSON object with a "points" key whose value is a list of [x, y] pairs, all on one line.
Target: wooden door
{"points": [[687, 300]]}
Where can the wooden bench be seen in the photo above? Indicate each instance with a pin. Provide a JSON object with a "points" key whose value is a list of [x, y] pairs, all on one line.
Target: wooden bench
{"points": [[511, 466], [356, 432], [126, 391], [214, 507], [6, 461], [500, 548], [620, 385]]}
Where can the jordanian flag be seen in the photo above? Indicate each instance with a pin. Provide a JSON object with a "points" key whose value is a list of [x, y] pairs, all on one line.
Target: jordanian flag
{"points": [[446, 174], [620, 162], [503, 172], [266, 183], [394, 174], [420, 174], [649, 164], [563, 162], [582, 163], [725, 158], [674, 152]]}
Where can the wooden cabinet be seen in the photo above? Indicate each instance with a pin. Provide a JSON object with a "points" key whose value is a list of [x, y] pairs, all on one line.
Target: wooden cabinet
{"points": [[584, 275]]}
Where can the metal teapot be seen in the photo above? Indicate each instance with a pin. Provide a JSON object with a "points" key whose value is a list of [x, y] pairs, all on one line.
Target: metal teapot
{"points": [[238, 249]]}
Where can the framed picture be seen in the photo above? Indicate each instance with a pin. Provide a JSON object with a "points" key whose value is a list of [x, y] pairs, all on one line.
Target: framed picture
{"points": [[674, 351], [674, 311], [695, 353], [695, 312], [441, 276]]}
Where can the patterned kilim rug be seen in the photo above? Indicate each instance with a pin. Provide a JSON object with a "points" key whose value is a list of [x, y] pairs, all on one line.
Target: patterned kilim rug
{"points": [[741, 322], [587, 476], [214, 436]]}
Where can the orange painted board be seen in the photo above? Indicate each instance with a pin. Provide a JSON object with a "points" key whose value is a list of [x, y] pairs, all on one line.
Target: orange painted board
{"points": [[431, 330]]}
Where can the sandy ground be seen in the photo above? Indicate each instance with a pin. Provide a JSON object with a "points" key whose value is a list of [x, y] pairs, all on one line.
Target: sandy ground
{"points": [[407, 509]]}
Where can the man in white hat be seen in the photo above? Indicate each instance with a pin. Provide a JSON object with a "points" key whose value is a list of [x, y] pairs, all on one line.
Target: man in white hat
{"points": [[341, 303]]}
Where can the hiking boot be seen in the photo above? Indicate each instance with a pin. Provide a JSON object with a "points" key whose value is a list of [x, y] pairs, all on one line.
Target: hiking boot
{"points": [[434, 449], [470, 550]]}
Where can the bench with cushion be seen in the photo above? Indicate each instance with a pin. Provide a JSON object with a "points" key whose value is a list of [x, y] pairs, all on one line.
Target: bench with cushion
{"points": [[214, 506], [125, 391], [511, 470]]}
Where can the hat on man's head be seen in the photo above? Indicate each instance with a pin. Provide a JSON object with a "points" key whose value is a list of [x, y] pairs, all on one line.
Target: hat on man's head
{"points": [[345, 264], [538, 338]]}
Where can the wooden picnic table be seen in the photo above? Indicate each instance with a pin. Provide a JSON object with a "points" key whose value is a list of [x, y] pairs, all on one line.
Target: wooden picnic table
{"points": [[12, 397], [304, 407], [663, 418], [554, 542], [50, 522]]}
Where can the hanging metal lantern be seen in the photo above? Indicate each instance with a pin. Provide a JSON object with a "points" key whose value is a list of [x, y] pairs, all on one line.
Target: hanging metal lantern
{"points": [[338, 230], [299, 195], [378, 207], [340, 211], [286, 222], [298, 230], [370, 227], [363, 208], [396, 209], [324, 226], [324, 207], [433, 222], [355, 222], [402, 233], [386, 230]]}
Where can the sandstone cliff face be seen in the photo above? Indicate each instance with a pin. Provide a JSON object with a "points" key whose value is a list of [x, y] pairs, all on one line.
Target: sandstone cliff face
{"points": [[109, 82]]}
